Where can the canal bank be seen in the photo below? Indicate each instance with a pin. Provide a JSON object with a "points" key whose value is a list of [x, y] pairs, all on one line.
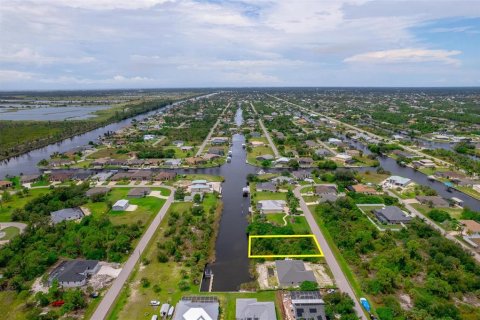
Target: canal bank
{"points": [[27, 163]]}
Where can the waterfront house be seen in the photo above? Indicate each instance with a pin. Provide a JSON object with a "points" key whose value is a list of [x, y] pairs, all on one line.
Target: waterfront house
{"points": [[139, 192], [291, 273], [434, 201], [306, 304], [73, 273], [271, 206]]}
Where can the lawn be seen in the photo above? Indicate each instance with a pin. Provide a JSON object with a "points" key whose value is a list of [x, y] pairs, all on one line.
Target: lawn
{"points": [[12, 306], [147, 208], [10, 232], [298, 223], [251, 156], [109, 152], [454, 212], [372, 176], [180, 154], [207, 177], [268, 195], [18, 202], [311, 198]]}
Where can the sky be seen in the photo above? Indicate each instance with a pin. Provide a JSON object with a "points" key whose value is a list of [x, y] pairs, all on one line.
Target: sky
{"points": [[103, 44]]}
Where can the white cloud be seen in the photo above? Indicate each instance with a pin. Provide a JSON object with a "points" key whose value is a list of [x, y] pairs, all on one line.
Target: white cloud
{"points": [[14, 75], [406, 55], [103, 4], [27, 56]]}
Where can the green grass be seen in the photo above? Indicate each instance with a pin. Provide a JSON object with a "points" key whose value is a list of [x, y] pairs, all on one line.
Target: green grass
{"points": [[267, 195], [12, 306], [10, 232], [147, 208], [338, 256], [469, 191], [257, 151], [18, 202], [454, 212], [307, 189], [208, 177], [372, 176], [311, 198], [109, 152]]}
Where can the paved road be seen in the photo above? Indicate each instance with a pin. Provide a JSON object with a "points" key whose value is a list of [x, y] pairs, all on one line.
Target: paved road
{"points": [[407, 148], [112, 293], [267, 134], [204, 143], [475, 254], [340, 278]]}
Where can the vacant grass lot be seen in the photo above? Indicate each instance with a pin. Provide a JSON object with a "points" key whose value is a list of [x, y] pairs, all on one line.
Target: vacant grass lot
{"points": [[18, 202], [257, 151], [267, 195], [298, 223], [147, 208]]}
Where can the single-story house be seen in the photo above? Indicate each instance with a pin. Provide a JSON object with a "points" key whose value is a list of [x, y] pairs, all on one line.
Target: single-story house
{"points": [[195, 160], [426, 163], [291, 273], [264, 157], [67, 214], [343, 157], [391, 215], [210, 156], [97, 191], [435, 201], [450, 175], [323, 152], [271, 206], [4, 184], [282, 161], [165, 175], [200, 186], [305, 161], [325, 189], [257, 143], [197, 308], [60, 176], [219, 140], [397, 181], [120, 205], [173, 162], [29, 178], [139, 192], [281, 180], [249, 309], [148, 137], [311, 143], [335, 141], [301, 174], [307, 305], [141, 175], [470, 227], [216, 150], [74, 273], [266, 186]]}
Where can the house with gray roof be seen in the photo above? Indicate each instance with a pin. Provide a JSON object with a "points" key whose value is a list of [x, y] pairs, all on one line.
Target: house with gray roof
{"points": [[197, 308], [435, 201], [291, 273], [392, 215], [266, 186], [271, 206], [97, 191], [248, 309], [73, 273], [307, 305], [67, 214], [139, 192]]}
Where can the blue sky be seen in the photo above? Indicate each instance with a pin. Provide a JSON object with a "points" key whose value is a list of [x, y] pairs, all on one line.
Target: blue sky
{"points": [[89, 44]]}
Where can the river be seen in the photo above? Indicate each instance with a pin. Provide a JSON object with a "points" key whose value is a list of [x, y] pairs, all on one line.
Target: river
{"points": [[27, 163]]}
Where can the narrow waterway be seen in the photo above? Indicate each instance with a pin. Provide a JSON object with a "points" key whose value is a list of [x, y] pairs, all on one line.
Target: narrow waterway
{"points": [[391, 165], [27, 163]]}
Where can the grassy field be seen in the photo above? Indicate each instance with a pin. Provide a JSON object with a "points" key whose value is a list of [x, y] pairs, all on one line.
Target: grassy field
{"points": [[454, 212], [10, 232], [18, 202], [372, 176], [267, 195], [12, 306], [147, 208], [207, 177], [257, 151], [298, 223]]}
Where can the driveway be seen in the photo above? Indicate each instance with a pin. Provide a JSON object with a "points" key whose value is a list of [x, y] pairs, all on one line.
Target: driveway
{"points": [[340, 278], [112, 293]]}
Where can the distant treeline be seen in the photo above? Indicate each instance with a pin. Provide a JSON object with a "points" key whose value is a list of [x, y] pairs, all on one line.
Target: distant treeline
{"points": [[18, 137]]}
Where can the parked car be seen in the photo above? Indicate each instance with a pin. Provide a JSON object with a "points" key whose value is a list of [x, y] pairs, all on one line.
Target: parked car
{"points": [[155, 303]]}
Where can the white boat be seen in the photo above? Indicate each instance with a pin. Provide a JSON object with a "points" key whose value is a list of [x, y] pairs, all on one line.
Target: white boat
{"points": [[170, 311]]}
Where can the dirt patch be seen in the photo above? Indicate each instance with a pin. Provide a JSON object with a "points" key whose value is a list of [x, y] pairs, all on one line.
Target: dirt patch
{"points": [[132, 207]]}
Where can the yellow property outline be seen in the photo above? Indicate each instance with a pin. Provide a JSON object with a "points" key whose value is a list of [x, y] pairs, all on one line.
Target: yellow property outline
{"points": [[285, 255]]}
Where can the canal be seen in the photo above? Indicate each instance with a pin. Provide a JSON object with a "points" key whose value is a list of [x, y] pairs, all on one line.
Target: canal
{"points": [[27, 163]]}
